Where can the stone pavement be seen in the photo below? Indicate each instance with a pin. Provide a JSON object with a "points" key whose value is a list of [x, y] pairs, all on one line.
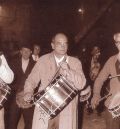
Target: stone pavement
{"points": [[92, 121]]}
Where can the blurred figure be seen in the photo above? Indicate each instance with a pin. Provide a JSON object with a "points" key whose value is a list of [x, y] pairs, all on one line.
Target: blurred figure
{"points": [[94, 70], [110, 70], [44, 71], [36, 52], [95, 64], [22, 67], [6, 76]]}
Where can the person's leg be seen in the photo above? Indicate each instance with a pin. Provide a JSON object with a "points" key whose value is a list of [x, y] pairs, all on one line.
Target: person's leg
{"points": [[40, 120], [6, 116], [28, 117], [54, 123], [2, 125], [110, 122], [14, 115], [7, 106]]}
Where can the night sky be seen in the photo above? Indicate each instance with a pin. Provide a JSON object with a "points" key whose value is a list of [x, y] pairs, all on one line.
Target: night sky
{"points": [[95, 25]]}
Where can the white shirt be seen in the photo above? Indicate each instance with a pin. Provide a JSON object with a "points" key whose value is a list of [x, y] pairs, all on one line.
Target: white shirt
{"points": [[24, 64], [60, 60], [35, 57], [6, 74]]}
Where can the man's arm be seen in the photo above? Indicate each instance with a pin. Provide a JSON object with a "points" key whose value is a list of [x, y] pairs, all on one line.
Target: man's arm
{"points": [[32, 82], [75, 75], [6, 74], [102, 77]]}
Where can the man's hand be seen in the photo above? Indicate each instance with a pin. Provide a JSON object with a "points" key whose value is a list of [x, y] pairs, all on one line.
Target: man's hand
{"points": [[28, 97], [64, 65], [95, 102], [64, 68]]}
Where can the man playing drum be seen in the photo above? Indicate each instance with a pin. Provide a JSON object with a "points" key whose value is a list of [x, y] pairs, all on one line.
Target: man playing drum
{"points": [[6, 76], [44, 71], [111, 69]]}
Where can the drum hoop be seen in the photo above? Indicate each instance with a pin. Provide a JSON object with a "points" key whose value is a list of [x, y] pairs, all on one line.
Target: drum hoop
{"points": [[114, 111], [5, 91]]}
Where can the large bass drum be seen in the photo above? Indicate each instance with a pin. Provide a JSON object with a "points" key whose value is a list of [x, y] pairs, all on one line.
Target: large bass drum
{"points": [[56, 96], [5, 91]]}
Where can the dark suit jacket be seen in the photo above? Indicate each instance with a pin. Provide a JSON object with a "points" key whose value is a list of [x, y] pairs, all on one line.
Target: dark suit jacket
{"points": [[20, 76]]}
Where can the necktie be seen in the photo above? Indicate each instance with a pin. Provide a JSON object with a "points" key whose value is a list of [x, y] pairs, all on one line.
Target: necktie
{"points": [[35, 58]]}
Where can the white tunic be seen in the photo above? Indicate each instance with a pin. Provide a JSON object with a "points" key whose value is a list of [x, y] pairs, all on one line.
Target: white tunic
{"points": [[7, 76], [6, 73]]}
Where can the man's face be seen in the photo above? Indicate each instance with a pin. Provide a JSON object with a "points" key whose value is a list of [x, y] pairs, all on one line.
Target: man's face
{"points": [[60, 45], [25, 52], [117, 41], [36, 50]]}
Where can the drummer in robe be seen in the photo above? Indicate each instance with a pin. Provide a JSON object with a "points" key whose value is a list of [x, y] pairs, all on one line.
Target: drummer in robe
{"points": [[111, 68], [6, 76], [44, 71]]}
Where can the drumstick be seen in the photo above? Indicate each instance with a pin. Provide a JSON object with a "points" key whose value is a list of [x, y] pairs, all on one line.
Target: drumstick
{"points": [[110, 77], [106, 96]]}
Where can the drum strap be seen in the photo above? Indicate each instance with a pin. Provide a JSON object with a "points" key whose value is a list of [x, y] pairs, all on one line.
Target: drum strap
{"points": [[117, 66]]}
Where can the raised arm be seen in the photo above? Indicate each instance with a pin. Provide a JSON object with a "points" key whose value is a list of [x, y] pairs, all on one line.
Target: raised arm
{"points": [[75, 74]]}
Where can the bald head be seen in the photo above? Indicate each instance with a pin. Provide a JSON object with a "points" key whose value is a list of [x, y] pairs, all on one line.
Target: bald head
{"points": [[60, 44], [59, 36]]}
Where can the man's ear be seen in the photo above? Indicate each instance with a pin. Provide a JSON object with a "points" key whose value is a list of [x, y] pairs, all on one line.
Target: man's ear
{"points": [[52, 45], [114, 37]]}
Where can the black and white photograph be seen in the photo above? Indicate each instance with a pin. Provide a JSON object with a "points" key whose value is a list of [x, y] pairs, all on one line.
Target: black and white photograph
{"points": [[59, 64]]}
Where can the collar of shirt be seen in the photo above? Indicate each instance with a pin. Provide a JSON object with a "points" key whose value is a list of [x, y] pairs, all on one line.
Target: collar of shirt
{"points": [[58, 60]]}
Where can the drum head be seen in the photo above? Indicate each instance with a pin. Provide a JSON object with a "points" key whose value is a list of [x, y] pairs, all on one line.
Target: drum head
{"points": [[85, 94]]}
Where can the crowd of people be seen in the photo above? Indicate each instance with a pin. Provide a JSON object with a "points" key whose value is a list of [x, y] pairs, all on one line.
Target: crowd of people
{"points": [[28, 73]]}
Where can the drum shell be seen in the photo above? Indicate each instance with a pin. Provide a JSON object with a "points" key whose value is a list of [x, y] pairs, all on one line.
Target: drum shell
{"points": [[56, 96]]}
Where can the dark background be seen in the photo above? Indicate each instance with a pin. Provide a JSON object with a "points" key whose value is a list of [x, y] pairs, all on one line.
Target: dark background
{"points": [[36, 21]]}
